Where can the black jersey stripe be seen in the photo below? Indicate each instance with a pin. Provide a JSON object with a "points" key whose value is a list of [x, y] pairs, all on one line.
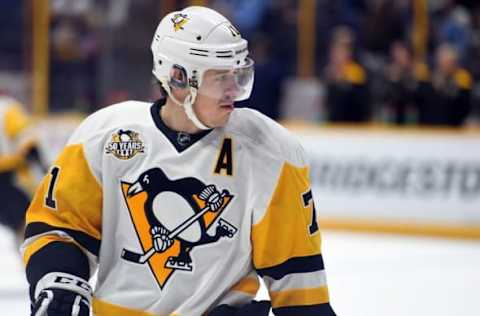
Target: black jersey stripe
{"points": [[56, 257], [310, 310], [88, 242], [293, 265]]}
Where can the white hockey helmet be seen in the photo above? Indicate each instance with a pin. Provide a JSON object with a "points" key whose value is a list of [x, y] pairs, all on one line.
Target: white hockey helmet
{"points": [[193, 41]]}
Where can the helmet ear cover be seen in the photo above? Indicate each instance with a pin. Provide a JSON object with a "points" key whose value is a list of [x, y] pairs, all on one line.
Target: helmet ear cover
{"points": [[178, 77]]}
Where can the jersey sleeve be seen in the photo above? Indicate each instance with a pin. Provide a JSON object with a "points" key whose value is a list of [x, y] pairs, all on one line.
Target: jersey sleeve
{"points": [[67, 205], [286, 242]]}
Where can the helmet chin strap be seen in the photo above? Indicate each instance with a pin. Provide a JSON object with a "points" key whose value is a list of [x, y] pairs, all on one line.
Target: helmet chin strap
{"points": [[187, 105]]}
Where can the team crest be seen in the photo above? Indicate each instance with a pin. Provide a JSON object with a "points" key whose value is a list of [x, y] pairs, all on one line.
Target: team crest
{"points": [[173, 217], [125, 145], [179, 20]]}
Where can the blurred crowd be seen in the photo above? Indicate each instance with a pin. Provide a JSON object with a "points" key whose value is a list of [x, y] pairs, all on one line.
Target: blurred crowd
{"points": [[366, 69]]}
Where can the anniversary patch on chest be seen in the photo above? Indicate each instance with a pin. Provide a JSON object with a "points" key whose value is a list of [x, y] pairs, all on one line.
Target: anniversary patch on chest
{"points": [[125, 144]]}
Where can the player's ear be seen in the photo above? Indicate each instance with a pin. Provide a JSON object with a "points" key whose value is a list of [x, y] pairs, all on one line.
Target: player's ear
{"points": [[178, 77], [179, 83]]}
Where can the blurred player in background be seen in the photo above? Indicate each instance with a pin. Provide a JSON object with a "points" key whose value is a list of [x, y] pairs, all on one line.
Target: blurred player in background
{"points": [[180, 203], [15, 150], [27, 148]]}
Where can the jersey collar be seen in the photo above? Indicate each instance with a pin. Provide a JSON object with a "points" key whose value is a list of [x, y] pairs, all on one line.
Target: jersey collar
{"points": [[179, 140]]}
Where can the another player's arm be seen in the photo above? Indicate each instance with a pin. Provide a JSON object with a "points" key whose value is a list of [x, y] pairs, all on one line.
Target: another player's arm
{"points": [[63, 234], [286, 248]]}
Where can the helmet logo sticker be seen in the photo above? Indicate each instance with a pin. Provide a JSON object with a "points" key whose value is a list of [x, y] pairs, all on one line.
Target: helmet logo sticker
{"points": [[179, 20], [125, 144]]}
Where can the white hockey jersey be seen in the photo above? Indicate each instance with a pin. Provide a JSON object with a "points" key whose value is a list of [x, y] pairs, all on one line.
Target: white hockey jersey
{"points": [[236, 202]]}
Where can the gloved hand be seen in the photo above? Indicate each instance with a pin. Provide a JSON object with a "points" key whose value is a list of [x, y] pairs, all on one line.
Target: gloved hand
{"points": [[61, 294], [212, 197], [254, 308], [161, 242]]}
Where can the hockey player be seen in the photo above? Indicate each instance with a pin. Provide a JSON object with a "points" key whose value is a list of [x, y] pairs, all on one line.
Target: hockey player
{"points": [[26, 150], [180, 204], [15, 149]]}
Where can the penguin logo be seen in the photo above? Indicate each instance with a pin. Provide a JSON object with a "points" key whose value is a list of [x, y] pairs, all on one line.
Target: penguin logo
{"points": [[179, 21], [125, 144], [171, 218]]}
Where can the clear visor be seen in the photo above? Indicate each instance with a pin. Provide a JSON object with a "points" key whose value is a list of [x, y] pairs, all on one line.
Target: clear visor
{"points": [[228, 85]]}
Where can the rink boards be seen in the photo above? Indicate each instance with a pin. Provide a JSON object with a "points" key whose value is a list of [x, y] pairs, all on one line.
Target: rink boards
{"points": [[410, 181]]}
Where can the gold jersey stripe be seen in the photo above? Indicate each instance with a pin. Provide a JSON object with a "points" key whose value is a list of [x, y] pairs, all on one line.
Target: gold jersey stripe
{"points": [[39, 244], [77, 193], [102, 308], [283, 231], [300, 297], [248, 285]]}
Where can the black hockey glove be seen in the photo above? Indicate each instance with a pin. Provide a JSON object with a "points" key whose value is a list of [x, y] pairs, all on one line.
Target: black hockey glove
{"points": [[62, 294], [254, 308]]}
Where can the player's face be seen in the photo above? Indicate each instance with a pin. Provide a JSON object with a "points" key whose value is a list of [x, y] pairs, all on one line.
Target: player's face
{"points": [[216, 96]]}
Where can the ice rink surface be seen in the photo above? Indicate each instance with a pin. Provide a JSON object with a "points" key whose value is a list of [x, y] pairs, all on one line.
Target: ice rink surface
{"points": [[368, 275]]}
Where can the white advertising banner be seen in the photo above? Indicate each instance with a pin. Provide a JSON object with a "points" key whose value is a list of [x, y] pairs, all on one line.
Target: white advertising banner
{"points": [[423, 177]]}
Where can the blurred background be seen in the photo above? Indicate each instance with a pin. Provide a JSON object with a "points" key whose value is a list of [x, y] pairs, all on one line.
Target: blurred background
{"points": [[383, 94], [403, 62]]}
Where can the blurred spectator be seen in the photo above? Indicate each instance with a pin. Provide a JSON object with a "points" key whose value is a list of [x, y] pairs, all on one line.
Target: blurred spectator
{"points": [[346, 80], [74, 56], [400, 84], [446, 101], [350, 13], [452, 25], [269, 75]]}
